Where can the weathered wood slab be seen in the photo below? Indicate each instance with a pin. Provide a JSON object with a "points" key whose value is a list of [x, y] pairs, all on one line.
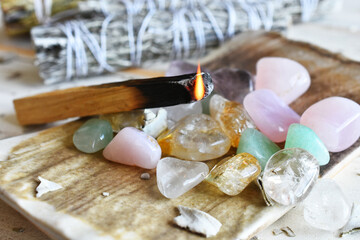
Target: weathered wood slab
{"points": [[135, 209]]}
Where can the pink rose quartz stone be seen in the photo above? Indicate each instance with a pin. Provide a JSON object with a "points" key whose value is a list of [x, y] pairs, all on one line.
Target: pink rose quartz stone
{"points": [[287, 78], [270, 114], [336, 121], [133, 147]]}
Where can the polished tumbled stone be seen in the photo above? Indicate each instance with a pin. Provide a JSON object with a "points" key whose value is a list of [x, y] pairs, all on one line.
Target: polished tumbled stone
{"points": [[289, 176], [231, 116], [197, 137], [326, 207], [300, 136], [133, 147], [175, 177], [257, 144], [232, 83], [93, 135], [270, 114], [287, 78], [232, 175], [336, 120]]}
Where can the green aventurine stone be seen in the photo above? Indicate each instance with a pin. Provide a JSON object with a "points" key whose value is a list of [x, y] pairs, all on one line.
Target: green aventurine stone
{"points": [[257, 144], [93, 135], [300, 136]]}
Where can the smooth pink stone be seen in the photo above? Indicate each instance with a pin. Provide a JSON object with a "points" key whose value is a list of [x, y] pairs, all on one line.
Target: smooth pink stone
{"points": [[133, 147], [270, 114], [336, 121], [287, 78]]}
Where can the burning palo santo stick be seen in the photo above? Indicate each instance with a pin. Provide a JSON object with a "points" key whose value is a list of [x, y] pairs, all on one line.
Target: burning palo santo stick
{"points": [[113, 97]]}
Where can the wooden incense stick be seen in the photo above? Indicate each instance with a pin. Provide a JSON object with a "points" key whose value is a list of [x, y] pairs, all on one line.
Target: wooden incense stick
{"points": [[109, 98]]}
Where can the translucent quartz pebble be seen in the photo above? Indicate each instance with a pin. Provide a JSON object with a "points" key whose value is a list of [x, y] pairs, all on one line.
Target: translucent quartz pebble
{"points": [[326, 207], [257, 144], [232, 83], [175, 177], [93, 135], [179, 67], [289, 176], [336, 120], [231, 116], [133, 147], [177, 112], [232, 175], [300, 136], [287, 78], [270, 114], [125, 119], [197, 137]]}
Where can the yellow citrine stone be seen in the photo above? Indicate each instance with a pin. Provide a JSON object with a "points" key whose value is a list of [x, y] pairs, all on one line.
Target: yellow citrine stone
{"points": [[196, 137], [231, 116], [232, 175]]}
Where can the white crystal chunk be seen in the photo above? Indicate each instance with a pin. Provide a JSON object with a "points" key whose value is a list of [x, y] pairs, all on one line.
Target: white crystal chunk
{"points": [[289, 176], [326, 207], [197, 221], [46, 186], [175, 177]]}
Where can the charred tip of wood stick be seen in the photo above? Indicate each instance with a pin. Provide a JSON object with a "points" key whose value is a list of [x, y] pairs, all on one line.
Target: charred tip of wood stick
{"points": [[208, 84]]}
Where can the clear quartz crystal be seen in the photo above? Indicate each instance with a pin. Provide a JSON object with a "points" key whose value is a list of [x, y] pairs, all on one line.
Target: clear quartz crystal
{"points": [[289, 176], [231, 116], [175, 177], [232, 175], [326, 207], [197, 137]]}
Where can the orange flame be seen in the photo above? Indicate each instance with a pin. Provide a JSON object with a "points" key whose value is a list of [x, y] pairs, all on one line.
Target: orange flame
{"points": [[199, 91]]}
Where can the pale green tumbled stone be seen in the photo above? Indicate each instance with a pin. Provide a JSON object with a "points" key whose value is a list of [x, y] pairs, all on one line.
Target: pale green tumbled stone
{"points": [[300, 136], [93, 135], [257, 144]]}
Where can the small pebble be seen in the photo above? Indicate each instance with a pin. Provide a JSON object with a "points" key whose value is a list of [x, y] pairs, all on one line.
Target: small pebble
{"points": [[232, 83], [327, 207], [133, 147], [300, 136], [18, 230], [197, 137], [257, 144], [336, 121], [106, 194], [93, 135], [175, 177], [289, 176], [145, 176], [270, 114], [232, 175], [287, 78]]}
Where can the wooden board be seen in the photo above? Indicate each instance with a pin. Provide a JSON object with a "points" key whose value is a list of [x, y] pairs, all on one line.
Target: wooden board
{"points": [[135, 209]]}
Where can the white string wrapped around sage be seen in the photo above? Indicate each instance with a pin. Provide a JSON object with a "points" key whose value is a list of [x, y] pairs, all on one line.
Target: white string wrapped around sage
{"points": [[126, 33]]}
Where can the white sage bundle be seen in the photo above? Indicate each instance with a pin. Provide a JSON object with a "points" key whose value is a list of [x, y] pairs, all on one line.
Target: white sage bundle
{"points": [[117, 34]]}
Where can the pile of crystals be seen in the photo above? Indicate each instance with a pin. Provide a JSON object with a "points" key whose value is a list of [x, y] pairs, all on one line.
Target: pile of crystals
{"points": [[177, 140]]}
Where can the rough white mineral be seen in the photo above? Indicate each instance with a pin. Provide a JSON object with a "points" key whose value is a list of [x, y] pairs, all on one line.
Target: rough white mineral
{"points": [[197, 221], [46, 186]]}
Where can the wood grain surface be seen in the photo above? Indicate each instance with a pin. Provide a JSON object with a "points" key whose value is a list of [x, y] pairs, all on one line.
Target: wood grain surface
{"points": [[135, 209]]}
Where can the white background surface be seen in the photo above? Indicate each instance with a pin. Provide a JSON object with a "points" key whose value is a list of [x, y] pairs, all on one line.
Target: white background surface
{"points": [[338, 32]]}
